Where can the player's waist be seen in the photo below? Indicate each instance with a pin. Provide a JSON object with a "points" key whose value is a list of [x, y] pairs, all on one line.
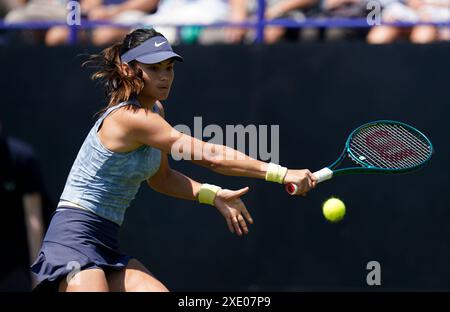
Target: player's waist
{"points": [[65, 203], [108, 209]]}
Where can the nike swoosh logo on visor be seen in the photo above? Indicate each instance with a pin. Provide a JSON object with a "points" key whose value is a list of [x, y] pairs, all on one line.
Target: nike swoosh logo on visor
{"points": [[158, 44]]}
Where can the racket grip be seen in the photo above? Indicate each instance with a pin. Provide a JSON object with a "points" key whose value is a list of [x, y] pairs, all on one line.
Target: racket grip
{"points": [[321, 175], [291, 188]]}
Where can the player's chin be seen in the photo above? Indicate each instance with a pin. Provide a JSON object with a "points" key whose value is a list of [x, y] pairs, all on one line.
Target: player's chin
{"points": [[163, 94]]}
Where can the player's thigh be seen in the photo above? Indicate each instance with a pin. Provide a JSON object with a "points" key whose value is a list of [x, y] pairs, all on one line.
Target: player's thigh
{"points": [[135, 277], [86, 281]]}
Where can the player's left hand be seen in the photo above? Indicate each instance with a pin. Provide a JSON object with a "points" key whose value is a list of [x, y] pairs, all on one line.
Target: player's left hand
{"points": [[232, 208]]}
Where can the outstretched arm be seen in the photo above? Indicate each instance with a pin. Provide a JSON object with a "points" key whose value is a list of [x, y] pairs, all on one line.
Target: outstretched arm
{"points": [[149, 128]]}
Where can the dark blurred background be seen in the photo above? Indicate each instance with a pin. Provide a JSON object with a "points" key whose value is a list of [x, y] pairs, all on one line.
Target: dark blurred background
{"points": [[317, 93]]}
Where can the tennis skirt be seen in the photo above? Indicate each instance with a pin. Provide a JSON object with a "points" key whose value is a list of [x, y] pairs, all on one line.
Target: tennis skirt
{"points": [[76, 240]]}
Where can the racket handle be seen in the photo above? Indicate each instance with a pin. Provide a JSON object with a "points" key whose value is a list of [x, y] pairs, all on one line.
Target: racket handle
{"points": [[291, 188], [321, 175]]}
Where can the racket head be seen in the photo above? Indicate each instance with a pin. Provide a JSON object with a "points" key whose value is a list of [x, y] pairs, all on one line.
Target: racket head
{"points": [[382, 146], [388, 146]]}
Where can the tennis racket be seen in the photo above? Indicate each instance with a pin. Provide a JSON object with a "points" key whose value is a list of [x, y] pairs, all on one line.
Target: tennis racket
{"points": [[383, 146]]}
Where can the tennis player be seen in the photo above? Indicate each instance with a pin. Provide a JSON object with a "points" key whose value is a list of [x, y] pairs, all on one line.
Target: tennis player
{"points": [[127, 145]]}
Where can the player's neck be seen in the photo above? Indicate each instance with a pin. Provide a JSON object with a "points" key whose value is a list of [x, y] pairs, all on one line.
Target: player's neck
{"points": [[145, 101]]}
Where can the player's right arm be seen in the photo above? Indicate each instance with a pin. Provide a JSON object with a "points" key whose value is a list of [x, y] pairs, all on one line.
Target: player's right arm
{"points": [[149, 128]]}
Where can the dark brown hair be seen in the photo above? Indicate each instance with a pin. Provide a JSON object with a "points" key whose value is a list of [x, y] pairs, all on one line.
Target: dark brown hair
{"points": [[118, 86]]}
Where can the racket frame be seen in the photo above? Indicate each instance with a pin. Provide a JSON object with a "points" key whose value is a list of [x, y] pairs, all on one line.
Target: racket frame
{"points": [[364, 168]]}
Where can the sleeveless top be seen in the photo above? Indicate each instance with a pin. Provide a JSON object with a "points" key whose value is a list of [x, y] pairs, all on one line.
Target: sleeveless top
{"points": [[105, 182]]}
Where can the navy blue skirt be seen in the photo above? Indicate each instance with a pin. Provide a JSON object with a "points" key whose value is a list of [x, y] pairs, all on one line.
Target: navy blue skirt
{"points": [[76, 240]]}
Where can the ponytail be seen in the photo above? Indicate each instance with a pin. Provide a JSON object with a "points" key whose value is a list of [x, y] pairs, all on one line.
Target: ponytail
{"points": [[118, 86]]}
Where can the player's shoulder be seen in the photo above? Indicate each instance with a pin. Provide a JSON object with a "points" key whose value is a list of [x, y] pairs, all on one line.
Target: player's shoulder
{"points": [[139, 111], [137, 117]]}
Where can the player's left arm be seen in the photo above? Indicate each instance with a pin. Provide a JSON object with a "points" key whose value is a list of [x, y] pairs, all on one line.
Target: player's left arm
{"points": [[173, 183], [228, 202], [169, 181]]}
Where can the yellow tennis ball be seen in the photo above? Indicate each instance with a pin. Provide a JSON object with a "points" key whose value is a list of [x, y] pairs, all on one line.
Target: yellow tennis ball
{"points": [[333, 209]]}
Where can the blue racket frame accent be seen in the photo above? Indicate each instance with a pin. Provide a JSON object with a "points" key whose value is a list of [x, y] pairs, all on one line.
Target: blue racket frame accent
{"points": [[366, 168]]}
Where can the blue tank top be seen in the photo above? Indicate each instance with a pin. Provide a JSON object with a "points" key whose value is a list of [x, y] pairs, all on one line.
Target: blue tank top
{"points": [[105, 182]]}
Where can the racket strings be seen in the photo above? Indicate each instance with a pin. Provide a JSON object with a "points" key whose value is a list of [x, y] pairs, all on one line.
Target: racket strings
{"points": [[359, 150], [395, 146], [390, 146], [396, 151], [418, 141], [415, 142], [373, 161]]}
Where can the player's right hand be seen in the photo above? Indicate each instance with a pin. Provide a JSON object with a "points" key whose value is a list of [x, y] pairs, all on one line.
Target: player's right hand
{"points": [[303, 178]]}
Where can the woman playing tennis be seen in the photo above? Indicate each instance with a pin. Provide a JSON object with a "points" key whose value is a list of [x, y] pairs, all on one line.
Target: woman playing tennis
{"points": [[127, 145]]}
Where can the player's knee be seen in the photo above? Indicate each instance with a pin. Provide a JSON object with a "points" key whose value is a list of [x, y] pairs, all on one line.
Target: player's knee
{"points": [[144, 283]]}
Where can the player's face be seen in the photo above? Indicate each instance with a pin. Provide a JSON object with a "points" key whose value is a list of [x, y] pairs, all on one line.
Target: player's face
{"points": [[158, 79]]}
